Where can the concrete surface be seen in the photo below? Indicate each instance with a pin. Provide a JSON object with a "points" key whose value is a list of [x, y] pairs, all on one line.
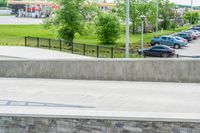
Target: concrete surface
{"points": [[100, 99], [16, 52], [156, 70], [14, 20], [5, 12], [193, 49]]}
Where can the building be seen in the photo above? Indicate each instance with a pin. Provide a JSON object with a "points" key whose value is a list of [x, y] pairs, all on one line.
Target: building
{"points": [[105, 7], [43, 8], [31, 8]]}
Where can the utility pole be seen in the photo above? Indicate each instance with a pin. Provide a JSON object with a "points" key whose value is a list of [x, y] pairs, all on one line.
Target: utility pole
{"points": [[156, 17], [127, 28], [191, 11]]}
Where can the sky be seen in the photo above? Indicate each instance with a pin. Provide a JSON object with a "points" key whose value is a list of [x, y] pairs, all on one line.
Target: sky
{"points": [[183, 2]]}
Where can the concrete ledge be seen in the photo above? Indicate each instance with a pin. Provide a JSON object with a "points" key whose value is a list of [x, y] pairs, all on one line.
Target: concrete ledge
{"points": [[156, 70], [100, 115]]}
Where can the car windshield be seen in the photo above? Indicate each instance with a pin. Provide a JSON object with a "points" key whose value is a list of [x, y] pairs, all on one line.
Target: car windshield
{"points": [[178, 38]]}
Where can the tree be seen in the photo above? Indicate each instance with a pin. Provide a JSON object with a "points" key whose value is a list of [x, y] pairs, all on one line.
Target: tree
{"points": [[195, 17], [137, 8], [166, 13], [134, 13], [2, 3], [107, 28], [71, 18]]}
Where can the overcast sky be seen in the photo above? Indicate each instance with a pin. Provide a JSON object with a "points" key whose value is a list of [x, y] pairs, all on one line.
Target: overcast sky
{"points": [[184, 2]]}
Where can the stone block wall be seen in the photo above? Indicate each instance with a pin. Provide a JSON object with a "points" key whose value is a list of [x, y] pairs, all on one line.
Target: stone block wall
{"points": [[57, 125]]}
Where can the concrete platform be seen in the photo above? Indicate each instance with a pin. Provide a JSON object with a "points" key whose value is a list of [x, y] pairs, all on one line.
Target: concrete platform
{"points": [[15, 52], [100, 99]]}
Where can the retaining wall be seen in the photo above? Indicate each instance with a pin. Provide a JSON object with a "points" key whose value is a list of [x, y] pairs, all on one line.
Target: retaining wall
{"points": [[56, 125], [158, 70]]}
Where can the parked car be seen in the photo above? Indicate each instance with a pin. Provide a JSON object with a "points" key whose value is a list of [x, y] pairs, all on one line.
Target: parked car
{"points": [[157, 51], [186, 36], [168, 41], [197, 25], [193, 34], [184, 40], [195, 28], [196, 32]]}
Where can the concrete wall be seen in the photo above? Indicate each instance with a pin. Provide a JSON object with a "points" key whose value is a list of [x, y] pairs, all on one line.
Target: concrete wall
{"points": [[163, 70], [56, 125]]}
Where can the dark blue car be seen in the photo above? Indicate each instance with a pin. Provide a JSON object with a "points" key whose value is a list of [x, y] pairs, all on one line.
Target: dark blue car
{"points": [[157, 51]]}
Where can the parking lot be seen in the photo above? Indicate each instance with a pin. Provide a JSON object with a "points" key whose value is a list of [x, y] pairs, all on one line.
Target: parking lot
{"points": [[193, 49]]}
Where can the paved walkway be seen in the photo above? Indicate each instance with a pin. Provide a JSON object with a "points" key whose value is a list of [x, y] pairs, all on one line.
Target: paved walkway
{"points": [[49, 96], [15, 52]]}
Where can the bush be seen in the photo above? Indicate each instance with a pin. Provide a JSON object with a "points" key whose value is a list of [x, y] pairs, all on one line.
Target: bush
{"points": [[107, 28]]}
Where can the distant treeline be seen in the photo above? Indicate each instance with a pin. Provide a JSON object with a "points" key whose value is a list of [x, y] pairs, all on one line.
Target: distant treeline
{"points": [[187, 6]]}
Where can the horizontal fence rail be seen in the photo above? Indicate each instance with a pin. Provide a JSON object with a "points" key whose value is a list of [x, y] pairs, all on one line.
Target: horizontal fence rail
{"points": [[98, 51]]}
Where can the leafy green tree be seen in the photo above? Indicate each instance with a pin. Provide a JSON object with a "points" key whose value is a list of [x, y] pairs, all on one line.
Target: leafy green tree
{"points": [[107, 28], [147, 8], [134, 13], [71, 18], [137, 8], [195, 17], [166, 13], [2, 3]]}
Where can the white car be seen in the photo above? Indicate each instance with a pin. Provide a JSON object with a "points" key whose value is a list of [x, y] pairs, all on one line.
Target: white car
{"points": [[195, 32]]}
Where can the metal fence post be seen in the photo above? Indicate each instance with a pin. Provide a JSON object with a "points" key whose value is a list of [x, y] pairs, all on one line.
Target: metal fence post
{"points": [[60, 45], [112, 52], [38, 42], [25, 41], [83, 49], [97, 51]]}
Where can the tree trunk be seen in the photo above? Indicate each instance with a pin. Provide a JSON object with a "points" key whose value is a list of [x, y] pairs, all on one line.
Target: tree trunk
{"points": [[134, 28]]}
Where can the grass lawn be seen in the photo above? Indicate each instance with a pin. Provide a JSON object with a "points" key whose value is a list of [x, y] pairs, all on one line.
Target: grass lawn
{"points": [[14, 35], [6, 15]]}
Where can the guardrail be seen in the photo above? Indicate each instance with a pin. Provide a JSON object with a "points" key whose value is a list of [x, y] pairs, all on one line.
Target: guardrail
{"points": [[99, 51]]}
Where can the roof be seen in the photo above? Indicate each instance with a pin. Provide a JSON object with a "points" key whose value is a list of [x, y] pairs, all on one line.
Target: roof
{"points": [[39, 2]]}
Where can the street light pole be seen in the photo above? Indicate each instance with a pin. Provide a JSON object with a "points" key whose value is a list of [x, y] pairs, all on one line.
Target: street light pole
{"points": [[127, 28], [142, 36], [156, 17], [191, 10], [143, 20]]}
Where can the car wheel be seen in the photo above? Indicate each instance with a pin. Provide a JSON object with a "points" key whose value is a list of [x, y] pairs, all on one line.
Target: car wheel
{"points": [[176, 46], [144, 55], [164, 55], [156, 43]]}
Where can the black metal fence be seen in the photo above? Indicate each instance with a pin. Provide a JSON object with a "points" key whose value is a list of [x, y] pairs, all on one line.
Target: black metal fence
{"points": [[98, 51]]}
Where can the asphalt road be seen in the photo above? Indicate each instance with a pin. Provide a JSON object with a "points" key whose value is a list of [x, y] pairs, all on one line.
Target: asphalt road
{"points": [[193, 49], [14, 20]]}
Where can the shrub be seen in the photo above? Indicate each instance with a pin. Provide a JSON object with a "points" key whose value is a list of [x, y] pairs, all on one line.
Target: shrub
{"points": [[107, 28]]}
